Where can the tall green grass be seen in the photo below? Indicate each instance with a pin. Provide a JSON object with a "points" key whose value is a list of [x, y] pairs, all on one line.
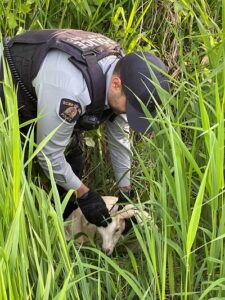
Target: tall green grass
{"points": [[178, 173]]}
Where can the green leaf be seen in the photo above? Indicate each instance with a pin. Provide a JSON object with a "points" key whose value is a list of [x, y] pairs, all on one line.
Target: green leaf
{"points": [[89, 142], [12, 20]]}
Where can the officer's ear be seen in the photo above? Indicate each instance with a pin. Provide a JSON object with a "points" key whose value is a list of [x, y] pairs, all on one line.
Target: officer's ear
{"points": [[116, 82]]}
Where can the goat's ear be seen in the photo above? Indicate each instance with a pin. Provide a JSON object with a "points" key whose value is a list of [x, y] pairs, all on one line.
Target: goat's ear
{"points": [[130, 211], [110, 203], [127, 212]]}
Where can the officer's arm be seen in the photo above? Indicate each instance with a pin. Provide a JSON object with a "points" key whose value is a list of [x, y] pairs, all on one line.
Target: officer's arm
{"points": [[55, 151], [60, 89], [83, 189], [120, 152]]}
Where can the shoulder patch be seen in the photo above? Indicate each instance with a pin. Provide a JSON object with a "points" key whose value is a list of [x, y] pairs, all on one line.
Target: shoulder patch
{"points": [[69, 110]]}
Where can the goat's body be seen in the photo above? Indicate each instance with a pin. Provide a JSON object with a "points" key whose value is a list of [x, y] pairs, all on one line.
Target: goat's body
{"points": [[76, 223], [110, 234]]}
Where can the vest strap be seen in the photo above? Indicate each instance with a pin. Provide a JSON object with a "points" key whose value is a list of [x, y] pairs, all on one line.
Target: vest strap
{"points": [[15, 74], [98, 90]]}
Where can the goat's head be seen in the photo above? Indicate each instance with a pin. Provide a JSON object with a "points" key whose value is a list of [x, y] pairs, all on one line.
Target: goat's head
{"points": [[111, 234]]}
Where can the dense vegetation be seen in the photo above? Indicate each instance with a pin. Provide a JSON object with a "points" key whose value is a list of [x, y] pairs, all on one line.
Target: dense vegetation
{"points": [[178, 173]]}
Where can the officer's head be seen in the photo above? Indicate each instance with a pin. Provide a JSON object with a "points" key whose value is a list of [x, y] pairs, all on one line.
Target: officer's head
{"points": [[134, 80]]}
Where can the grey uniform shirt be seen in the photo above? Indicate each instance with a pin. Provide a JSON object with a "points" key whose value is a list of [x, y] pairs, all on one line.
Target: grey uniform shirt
{"points": [[59, 79]]}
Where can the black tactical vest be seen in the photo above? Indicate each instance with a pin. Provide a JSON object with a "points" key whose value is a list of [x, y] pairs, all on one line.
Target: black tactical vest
{"points": [[27, 51]]}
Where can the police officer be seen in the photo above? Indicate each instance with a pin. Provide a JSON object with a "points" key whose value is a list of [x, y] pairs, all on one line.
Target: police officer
{"points": [[73, 80]]}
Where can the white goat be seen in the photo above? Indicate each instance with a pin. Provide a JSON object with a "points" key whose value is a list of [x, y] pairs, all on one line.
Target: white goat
{"points": [[76, 223]]}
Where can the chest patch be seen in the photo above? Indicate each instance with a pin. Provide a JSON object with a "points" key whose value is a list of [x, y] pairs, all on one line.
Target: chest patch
{"points": [[69, 110]]}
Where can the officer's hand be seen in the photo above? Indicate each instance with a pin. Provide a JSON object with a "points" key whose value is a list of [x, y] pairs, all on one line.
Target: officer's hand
{"points": [[94, 209]]}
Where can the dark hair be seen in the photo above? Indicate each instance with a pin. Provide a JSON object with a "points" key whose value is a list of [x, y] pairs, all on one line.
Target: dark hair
{"points": [[117, 68]]}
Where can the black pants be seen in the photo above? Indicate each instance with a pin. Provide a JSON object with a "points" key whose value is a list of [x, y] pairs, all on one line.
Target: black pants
{"points": [[74, 156]]}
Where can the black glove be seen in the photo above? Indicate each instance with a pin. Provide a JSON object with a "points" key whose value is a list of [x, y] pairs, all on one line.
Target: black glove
{"points": [[94, 209], [123, 197]]}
